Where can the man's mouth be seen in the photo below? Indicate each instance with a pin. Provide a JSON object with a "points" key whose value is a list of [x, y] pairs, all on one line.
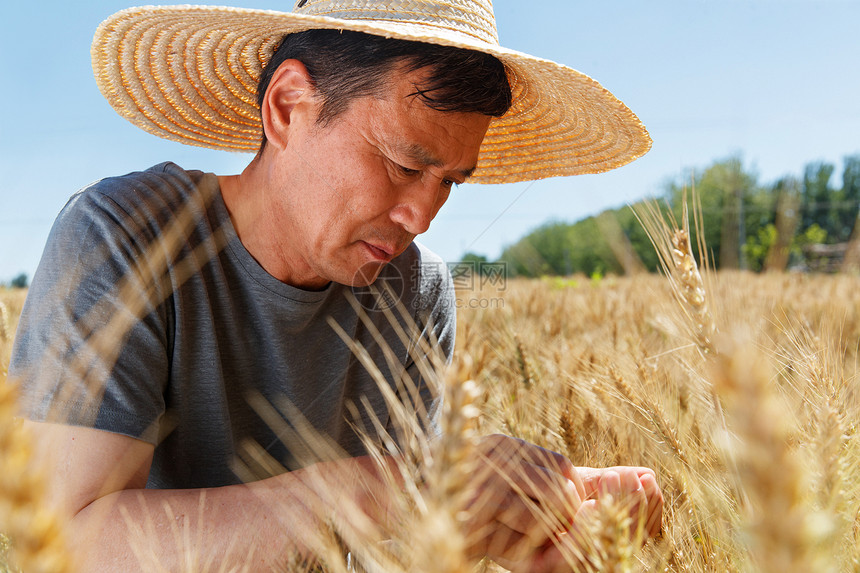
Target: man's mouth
{"points": [[382, 252]]}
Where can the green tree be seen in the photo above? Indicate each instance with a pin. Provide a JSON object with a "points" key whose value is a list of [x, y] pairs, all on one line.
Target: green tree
{"points": [[20, 281], [786, 192], [638, 238], [544, 251], [849, 197], [733, 207], [757, 248], [744, 224], [473, 258], [523, 259], [562, 249], [470, 262], [588, 250], [817, 196]]}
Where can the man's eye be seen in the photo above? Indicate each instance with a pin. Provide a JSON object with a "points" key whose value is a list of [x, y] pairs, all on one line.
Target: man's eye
{"points": [[407, 170], [449, 183]]}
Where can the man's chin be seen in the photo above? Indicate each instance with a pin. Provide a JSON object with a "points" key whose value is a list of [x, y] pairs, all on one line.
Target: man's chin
{"points": [[366, 274]]}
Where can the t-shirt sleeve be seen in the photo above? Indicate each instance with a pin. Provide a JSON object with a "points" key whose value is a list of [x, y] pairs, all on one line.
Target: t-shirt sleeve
{"points": [[91, 347], [436, 317], [443, 328]]}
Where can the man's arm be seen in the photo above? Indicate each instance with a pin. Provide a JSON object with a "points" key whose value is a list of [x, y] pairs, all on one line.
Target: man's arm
{"points": [[96, 479]]}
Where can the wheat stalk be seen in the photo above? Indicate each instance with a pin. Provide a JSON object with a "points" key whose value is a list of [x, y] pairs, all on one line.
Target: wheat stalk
{"points": [[37, 543], [672, 242], [5, 330], [449, 474], [784, 532], [610, 547], [692, 289]]}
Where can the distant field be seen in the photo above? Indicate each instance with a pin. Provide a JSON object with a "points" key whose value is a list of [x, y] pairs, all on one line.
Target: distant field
{"points": [[743, 396], [11, 300]]}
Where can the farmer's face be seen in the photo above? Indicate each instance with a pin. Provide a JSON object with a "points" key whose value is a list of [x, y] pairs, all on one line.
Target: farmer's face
{"points": [[371, 180]]}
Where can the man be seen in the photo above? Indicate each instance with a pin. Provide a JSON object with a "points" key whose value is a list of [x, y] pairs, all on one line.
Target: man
{"points": [[175, 311]]}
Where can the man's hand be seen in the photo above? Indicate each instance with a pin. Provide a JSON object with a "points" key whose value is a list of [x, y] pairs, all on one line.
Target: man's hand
{"points": [[531, 505], [636, 486], [523, 496]]}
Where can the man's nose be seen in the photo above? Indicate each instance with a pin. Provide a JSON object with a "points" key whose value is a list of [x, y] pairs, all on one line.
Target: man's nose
{"points": [[417, 206]]}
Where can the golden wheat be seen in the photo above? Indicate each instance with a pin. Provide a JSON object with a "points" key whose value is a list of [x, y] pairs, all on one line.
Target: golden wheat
{"points": [[748, 440], [35, 531], [5, 330]]}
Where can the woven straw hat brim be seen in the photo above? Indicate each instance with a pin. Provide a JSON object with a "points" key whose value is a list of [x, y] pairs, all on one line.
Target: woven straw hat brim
{"points": [[189, 74]]}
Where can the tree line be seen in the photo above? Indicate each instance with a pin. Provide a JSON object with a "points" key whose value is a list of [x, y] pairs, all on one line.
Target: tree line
{"points": [[793, 223], [19, 281]]}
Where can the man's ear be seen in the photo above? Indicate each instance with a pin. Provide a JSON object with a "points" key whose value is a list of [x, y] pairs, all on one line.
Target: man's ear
{"points": [[288, 100]]}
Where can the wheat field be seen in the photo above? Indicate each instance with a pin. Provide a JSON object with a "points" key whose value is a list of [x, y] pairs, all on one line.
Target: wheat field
{"points": [[740, 390], [752, 436]]}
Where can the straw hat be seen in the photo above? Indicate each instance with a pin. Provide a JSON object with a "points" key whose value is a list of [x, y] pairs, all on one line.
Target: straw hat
{"points": [[189, 74]]}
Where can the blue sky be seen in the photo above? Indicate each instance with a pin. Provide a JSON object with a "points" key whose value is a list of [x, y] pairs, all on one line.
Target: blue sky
{"points": [[776, 81]]}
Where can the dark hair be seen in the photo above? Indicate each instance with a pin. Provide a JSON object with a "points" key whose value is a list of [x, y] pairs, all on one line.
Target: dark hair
{"points": [[347, 65]]}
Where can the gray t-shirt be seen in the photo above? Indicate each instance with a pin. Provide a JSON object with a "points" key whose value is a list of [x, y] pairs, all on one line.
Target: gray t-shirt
{"points": [[147, 317]]}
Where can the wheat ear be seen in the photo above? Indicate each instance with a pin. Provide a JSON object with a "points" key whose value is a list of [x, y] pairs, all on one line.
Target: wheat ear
{"points": [[692, 289], [5, 331], [611, 546], [672, 243], [780, 525], [37, 542], [448, 473]]}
